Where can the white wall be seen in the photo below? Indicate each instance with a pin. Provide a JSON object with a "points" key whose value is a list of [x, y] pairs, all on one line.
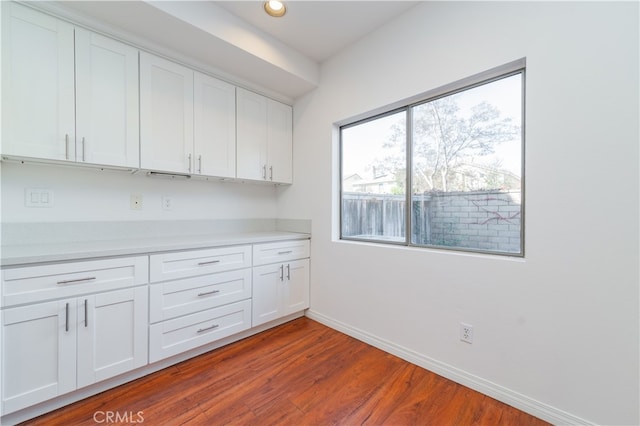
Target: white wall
{"points": [[92, 195], [556, 333]]}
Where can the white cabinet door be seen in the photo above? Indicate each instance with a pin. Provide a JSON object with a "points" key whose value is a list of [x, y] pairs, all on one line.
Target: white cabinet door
{"points": [[296, 289], [280, 142], [214, 150], [37, 84], [264, 142], [112, 334], [251, 136], [166, 115], [280, 289], [39, 353], [266, 305], [106, 101]]}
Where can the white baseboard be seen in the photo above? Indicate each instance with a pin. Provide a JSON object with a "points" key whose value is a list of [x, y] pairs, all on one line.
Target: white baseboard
{"points": [[502, 394]]}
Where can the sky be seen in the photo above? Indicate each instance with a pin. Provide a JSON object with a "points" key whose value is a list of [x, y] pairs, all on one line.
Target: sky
{"points": [[363, 144]]}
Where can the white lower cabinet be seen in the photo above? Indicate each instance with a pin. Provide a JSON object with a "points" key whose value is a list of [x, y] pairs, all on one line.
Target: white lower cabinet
{"points": [[203, 295], [52, 348], [281, 288], [69, 325]]}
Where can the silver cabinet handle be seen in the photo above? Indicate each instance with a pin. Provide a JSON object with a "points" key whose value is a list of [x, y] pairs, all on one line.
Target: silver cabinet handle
{"points": [[78, 280], [210, 262], [200, 164], [206, 293], [281, 272], [66, 318], [288, 271], [86, 313], [83, 157], [264, 172], [66, 146], [285, 252], [189, 163], [202, 330], [270, 172]]}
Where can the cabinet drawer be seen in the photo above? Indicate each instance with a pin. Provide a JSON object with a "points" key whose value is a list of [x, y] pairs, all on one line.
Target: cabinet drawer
{"points": [[178, 335], [172, 266], [38, 283], [280, 251], [187, 296]]}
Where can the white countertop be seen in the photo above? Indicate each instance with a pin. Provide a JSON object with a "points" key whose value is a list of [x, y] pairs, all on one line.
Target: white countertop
{"points": [[22, 255]]}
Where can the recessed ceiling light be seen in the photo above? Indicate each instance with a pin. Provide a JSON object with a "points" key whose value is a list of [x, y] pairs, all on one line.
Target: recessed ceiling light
{"points": [[275, 8]]}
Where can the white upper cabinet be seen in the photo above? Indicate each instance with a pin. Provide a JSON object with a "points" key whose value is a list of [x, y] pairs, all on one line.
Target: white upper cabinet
{"points": [[37, 85], [264, 138], [107, 128], [187, 120], [68, 94], [214, 145], [166, 115]]}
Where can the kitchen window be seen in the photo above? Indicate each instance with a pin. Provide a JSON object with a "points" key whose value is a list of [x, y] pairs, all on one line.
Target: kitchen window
{"points": [[455, 156]]}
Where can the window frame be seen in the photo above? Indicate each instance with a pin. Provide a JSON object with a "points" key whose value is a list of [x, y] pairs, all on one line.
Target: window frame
{"points": [[517, 67]]}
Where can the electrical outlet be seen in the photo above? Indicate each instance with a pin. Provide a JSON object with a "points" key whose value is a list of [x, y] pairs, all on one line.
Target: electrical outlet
{"points": [[466, 332], [136, 202], [167, 203]]}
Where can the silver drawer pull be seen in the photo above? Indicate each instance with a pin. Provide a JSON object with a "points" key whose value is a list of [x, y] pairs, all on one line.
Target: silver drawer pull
{"points": [[211, 262], [202, 330], [78, 280], [285, 252], [209, 292]]}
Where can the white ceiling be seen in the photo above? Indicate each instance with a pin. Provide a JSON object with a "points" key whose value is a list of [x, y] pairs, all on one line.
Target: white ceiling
{"points": [[237, 40], [319, 29]]}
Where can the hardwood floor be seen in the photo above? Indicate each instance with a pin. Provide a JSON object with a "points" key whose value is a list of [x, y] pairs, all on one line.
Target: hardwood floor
{"points": [[301, 373]]}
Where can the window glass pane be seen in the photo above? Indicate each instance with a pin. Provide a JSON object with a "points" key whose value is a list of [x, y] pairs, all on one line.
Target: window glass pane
{"points": [[374, 179], [467, 168]]}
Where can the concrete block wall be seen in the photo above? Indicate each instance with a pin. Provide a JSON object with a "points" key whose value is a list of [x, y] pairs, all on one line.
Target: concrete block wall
{"points": [[487, 220]]}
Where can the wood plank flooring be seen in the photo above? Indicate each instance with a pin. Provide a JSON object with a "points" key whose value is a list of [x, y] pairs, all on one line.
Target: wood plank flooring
{"points": [[301, 373]]}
